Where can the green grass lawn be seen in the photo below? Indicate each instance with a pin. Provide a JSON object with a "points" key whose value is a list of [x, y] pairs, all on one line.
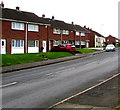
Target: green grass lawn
{"points": [[14, 59], [86, 50], [54, 55]]}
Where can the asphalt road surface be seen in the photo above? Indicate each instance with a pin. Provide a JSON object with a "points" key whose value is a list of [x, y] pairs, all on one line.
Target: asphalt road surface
{"points": [[44, 86]]}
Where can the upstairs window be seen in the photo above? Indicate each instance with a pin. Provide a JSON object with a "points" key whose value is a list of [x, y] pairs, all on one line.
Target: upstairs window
{"points": [[82, 34], [56, 31], [17, 26], [77, 33], [97, 39], [66, 32], [32, 27]]}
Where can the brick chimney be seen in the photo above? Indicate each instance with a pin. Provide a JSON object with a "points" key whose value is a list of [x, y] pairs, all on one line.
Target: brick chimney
{"points": [[17, 8], [72, 22], [2, 4]]}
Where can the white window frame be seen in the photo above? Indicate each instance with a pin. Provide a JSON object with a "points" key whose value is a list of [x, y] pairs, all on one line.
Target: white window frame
{"points": [[32, 27], [17, 26], [56, 31], [77, 33], [17, 43], [66, 32]]}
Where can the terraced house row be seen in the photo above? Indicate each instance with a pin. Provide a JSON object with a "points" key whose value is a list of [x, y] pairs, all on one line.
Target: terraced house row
{"points": [[25, 32]]}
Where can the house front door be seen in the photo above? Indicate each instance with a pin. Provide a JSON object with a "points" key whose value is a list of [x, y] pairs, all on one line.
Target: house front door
{"points": [[44, 46], [3, 46]]}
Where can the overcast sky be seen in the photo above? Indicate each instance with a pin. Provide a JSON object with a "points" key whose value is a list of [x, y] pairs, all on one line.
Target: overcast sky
{"points": [[100, 15]]}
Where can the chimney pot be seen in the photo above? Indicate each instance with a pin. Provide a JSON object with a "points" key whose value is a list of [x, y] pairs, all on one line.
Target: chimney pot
{"points": [[17, 8], [43, 16], [53, 17], [2, 4], [72, 22]]}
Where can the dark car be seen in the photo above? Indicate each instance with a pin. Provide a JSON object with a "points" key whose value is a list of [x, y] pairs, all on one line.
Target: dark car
{"points": [[64, 48]]}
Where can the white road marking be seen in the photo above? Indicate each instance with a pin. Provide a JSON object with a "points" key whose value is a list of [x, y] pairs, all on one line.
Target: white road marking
{"points": [[10, 84], [84, 91]]}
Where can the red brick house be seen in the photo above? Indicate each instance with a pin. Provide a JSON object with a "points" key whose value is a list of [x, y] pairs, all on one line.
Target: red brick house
{"points": [[25, 32], [22, 32], [112, 40], [61, 32]]}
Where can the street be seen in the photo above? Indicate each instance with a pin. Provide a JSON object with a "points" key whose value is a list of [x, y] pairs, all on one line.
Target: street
{"points": [[44, 86]]}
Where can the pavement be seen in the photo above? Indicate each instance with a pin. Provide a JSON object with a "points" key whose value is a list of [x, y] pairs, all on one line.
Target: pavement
{"points": [[102, 97], [42, 63]]}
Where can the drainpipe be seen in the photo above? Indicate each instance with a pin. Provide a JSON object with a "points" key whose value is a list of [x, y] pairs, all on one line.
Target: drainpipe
{"points": [[80, 39], [74, 37], [61, 36], [26, 38], [47, 38]]}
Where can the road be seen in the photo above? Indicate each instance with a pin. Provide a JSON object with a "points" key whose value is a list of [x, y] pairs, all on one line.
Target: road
{"points": [[44, 86]]}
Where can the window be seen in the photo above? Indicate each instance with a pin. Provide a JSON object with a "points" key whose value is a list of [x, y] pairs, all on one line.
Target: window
{"points": [[77, 33], [3, 43], [56, 42], [108, 40], [33, 27], [17, 43], [56, 31], [65, 32], [82, 34], [33, 43], [17, 26], [97, 39]]}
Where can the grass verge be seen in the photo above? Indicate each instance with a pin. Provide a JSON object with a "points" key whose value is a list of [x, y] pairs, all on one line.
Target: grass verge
{"points": [[14, 59], [86, 50]]}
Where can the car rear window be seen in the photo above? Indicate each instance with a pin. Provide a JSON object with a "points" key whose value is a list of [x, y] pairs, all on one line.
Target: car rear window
{"points": [[110, 45]]}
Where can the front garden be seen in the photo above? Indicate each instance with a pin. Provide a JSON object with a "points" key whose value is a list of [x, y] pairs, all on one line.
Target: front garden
{"points": [[14, 59]]}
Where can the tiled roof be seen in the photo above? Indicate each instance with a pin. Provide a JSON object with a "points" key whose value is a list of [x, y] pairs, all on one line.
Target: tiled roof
{"points": [[21, 16], [90, 30], [59, 24], [81, 29], [13, 14], [98, 34], [66, 26]]}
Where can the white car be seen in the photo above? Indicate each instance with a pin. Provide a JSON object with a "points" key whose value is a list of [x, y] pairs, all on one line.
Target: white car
{"points": [[110, 47]]}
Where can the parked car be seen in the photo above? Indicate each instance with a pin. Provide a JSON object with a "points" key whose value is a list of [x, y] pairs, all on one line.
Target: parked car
{"points": [[110, 47], [64, 48]]}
